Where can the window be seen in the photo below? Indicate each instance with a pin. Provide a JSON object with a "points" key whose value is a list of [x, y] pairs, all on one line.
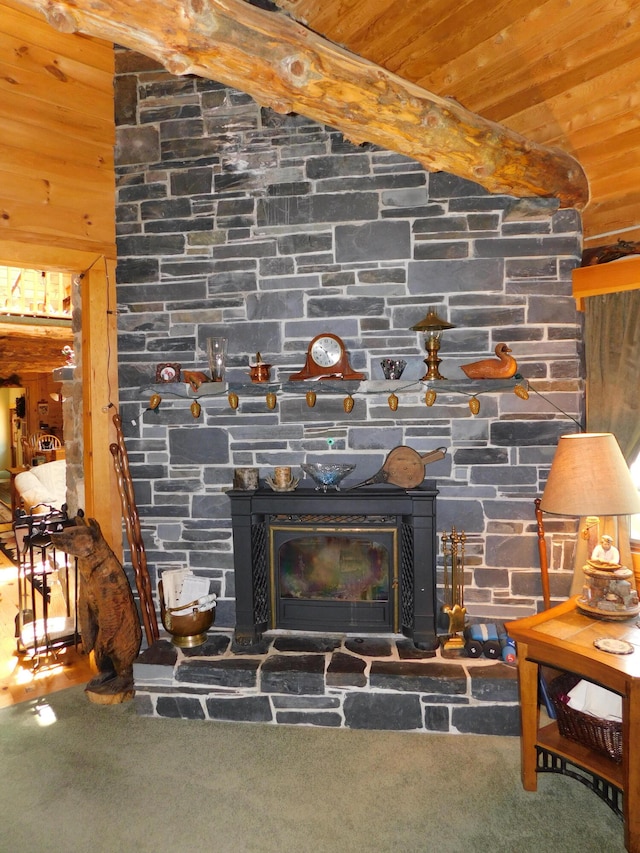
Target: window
{"points": [[35, 293], [635, 519]]}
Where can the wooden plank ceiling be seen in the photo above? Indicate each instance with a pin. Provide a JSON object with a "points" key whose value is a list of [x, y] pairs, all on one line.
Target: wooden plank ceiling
{"points": [[525, 94], [563, 73]]}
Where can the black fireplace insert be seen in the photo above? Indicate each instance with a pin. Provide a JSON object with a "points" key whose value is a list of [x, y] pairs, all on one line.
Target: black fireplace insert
{"points": [[354, 562]]}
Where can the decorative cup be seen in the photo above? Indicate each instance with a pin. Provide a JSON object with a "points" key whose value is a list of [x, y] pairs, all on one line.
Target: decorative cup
{"points": [[217, 353], [282, 476], [393, 367], [245, 479]]}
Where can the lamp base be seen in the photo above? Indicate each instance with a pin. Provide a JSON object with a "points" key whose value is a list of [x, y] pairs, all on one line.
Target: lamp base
{"points": [[432, 361], [606, 616], [607, 593]]}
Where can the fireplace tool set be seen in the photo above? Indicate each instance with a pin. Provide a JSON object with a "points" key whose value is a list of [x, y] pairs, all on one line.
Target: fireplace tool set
{"points": [[453, 545]]}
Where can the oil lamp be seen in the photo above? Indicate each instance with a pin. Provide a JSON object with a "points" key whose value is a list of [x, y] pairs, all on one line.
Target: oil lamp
{"points": [[432, 326]]}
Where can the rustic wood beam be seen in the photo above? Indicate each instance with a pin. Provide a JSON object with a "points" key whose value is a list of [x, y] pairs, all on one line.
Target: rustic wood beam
{"points": [[285, 66], [28, 348]]}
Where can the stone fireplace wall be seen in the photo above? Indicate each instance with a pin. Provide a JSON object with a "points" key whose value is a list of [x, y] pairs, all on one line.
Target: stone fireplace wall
{"points": [[268, 229]]}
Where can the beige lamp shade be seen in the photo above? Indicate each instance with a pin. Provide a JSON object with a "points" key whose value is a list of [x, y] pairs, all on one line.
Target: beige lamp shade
{"points": [[589, 476]]}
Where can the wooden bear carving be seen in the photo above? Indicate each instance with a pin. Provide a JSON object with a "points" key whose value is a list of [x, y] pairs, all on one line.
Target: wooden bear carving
{"points": [[109, 623]]}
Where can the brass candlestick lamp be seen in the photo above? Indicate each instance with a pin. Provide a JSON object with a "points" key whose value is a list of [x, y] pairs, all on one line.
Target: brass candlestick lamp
{"points": [[432, 326]]}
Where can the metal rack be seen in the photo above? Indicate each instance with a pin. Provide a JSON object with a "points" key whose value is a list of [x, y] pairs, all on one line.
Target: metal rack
{"points": [[47, 617]]}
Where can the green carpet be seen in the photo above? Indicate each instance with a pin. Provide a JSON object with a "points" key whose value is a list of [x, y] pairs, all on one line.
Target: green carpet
{"points": [[102, 779]]}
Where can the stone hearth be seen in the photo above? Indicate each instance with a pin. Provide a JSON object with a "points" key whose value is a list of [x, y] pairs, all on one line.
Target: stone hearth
{"points": [[339, 681]]}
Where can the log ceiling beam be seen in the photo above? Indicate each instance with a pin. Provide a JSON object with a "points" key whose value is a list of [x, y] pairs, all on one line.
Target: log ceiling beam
{"points": [[28, 349], [290, 69]]}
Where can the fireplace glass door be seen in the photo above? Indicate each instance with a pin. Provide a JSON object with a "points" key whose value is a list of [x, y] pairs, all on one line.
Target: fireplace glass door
{"points": [[334, 578]]}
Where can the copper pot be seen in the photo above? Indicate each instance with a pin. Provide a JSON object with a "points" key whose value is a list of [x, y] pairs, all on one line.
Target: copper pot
{"points": [[260, 372]]}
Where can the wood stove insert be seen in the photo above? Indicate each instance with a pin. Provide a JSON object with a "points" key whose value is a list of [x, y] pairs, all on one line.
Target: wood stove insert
{"points": [[361, 561]]}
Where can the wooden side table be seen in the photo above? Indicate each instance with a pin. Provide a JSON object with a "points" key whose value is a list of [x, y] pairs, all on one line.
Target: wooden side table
{"points": [[563, 638]]}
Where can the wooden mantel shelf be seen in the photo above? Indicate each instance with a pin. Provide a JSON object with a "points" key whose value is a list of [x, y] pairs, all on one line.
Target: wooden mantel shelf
{"points": [[605, 278]]}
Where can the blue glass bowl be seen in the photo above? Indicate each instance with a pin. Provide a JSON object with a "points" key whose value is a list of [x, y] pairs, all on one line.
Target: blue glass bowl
{"points": [[326, 476]]}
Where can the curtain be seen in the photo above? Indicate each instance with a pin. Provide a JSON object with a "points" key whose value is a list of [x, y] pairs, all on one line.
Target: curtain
{"points": [[612, 353]]}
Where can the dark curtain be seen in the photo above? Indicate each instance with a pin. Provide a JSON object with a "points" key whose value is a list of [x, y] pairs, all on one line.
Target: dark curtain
{"points": [[612, 353]]}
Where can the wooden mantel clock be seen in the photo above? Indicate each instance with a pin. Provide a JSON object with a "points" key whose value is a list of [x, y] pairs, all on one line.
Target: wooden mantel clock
{"points": [[327, 359]]}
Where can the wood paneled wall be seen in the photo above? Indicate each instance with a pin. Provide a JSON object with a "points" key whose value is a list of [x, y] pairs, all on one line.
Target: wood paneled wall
{"points": [[56, 156], [57, 205]]}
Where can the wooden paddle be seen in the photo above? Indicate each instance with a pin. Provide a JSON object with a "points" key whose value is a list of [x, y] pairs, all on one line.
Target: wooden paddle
{"points": [[404, 467]]}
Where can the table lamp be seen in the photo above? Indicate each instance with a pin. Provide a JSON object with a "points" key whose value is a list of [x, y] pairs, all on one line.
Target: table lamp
{"points": [[590, 477], [432, 327]]}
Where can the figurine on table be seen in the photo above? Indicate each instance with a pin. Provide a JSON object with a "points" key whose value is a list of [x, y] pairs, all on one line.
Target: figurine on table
{"points": [[606, 551]]}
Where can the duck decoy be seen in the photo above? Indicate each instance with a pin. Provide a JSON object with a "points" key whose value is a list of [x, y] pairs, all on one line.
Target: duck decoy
{"points": [[502, 367]]}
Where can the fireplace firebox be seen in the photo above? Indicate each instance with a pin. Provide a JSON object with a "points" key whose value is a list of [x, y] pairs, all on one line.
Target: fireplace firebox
{"points": [[361, 561]]}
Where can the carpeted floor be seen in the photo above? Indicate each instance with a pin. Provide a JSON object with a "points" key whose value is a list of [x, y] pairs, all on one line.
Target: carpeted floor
{"points": [[101, 778]]}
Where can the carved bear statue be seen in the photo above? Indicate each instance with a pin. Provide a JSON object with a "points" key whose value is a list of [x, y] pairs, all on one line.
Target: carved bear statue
{"points": [[109, 623]]}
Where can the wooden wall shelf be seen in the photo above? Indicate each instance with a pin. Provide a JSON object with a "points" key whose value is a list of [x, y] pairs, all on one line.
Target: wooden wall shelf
{"points": [[336, 387], [612, 277]]}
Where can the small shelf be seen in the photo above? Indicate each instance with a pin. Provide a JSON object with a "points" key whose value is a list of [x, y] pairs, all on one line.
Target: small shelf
{"points": [[66, 373], [550, 739]]}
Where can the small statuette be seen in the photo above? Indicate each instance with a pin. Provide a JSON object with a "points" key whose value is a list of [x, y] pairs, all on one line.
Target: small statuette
{"points": [[70, 356]]}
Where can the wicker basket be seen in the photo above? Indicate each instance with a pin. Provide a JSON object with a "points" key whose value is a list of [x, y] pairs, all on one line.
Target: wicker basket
{"points": [[604, 736]]}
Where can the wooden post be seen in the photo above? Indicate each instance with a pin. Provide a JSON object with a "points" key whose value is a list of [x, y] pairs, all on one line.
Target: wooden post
{"points": [[100, 397]]}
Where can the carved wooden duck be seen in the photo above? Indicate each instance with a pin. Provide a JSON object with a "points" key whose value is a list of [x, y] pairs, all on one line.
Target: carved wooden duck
{"points": [[502, 367]]}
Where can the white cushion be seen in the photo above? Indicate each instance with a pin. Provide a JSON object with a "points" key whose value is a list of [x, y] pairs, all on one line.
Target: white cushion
{"points": [[43, 484]]}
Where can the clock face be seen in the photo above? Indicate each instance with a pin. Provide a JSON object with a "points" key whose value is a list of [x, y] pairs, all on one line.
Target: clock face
{"points": [[326, 351]]}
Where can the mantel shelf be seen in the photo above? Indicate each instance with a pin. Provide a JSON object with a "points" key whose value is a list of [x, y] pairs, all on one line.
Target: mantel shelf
{"points": [[338, 387]]}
